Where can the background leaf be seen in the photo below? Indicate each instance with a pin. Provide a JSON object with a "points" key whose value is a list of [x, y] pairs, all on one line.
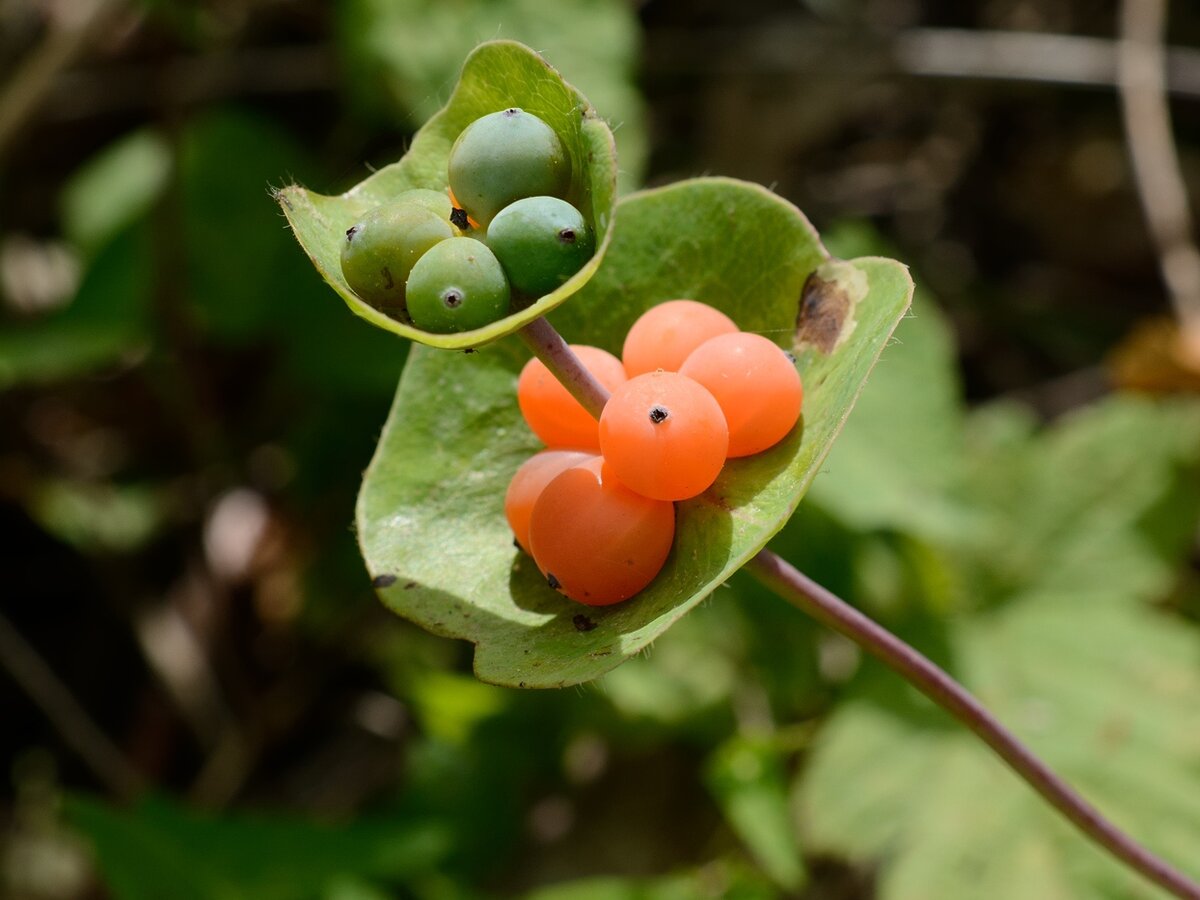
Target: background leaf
{"points": [[157, 850], [430, 514], [746, 775], [1087, 524], [115, 188], [497, 75]]}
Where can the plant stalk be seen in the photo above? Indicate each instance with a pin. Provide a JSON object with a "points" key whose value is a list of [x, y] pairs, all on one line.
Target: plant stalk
{"points": [[936, 684], [931, 680], [548, 345]]}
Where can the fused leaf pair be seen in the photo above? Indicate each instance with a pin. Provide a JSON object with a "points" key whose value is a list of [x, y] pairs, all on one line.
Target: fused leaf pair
{"points": [[430, 513]]}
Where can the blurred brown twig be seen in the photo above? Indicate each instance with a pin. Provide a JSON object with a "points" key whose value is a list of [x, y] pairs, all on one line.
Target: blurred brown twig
{"points": [[1141, 81]]}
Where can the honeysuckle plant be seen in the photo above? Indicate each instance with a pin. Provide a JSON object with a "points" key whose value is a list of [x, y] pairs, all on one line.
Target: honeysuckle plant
{"points": [[430, 517]]}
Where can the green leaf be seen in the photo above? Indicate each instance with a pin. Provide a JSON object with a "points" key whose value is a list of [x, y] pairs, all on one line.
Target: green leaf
{"points": [[430, 513], [1063, 647], [747, 777], [407, 70], [115, 188], [97, 516], [718, 880], [498, 74], [158, 850]]}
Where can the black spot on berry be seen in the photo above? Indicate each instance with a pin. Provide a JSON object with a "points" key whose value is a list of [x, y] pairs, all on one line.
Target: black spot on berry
{"points": [[458, 218], [659, 414], [554, 583], [791, 356], [583, 623], [453, 299], [351, 232], [512, 111], [382, 581], [567, 236], [389, 282]]}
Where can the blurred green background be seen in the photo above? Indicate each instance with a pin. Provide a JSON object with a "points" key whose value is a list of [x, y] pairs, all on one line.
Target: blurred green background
{"points": [[201, 698]]}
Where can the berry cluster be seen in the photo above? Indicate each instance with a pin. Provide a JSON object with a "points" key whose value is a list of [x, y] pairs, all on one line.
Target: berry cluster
{"points": [[595, 510], [457, 261]]}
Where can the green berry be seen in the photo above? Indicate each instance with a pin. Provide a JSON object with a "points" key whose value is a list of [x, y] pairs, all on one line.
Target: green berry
{"points": [[503, 157], [435, 201], [541, 242], [383, 246], [458, 285]]}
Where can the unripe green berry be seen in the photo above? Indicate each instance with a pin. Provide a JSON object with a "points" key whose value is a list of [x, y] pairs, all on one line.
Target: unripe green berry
{"points": [[458, 285], [541, 242], [383, 246], [435, 201], [503, 157]]}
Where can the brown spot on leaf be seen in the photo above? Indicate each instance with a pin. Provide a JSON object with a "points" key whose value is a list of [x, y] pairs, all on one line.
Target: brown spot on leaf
{"points": [[382, 581], [583, 623], [408, 586], [825, 305]]}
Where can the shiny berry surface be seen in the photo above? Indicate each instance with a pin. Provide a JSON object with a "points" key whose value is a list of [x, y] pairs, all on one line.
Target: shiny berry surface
{"points": [[665, 334], [594, 539], [664, 436], [458, 285], [756, 385], [527, 484]]}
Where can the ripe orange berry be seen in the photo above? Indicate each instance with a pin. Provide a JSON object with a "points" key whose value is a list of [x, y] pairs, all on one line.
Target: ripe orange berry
{"points": [[664, 335], [664, 436], [756, 385], [527, 484], [594, 539], [552, 413]]}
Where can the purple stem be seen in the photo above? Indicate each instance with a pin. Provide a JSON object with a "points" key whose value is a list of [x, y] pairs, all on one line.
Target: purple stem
{"points": [[801, 591], [827, 608], [548, 346]]}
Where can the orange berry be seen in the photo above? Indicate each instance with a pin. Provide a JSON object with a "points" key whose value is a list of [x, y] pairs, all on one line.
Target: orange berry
{"points": [[756, 385], [552, 413], [664, 436], [594, 539], [664, 335], [527, 484]]}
